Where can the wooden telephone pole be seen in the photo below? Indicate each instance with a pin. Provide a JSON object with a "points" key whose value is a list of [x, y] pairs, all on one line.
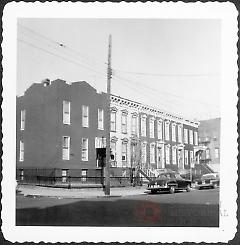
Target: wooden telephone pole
{"points": [[109, 76]]}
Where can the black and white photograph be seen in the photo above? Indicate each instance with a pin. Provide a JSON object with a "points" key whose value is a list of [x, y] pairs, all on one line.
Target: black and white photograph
{"points": [[119, 122]]}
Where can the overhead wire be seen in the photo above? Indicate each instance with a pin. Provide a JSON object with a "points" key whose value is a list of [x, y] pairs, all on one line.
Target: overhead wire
{"points": [[115, 71], [167, 74], [171, 105], [60, 56], [165, 93], [61, 45]]}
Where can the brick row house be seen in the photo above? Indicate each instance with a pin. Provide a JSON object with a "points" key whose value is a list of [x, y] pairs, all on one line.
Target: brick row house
{"points": [[61, 131]]}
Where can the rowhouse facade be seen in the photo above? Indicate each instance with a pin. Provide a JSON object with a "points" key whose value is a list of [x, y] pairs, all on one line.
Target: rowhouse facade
{"points": [[63, 127]]}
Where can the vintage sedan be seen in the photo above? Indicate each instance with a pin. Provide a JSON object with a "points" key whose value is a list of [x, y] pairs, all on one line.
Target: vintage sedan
{"points": [[208, 181], [170, 182]]}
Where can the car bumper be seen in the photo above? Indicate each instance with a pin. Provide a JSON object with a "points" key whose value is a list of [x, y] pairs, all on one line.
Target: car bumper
{"points": [[203, 186], [158, 188]]}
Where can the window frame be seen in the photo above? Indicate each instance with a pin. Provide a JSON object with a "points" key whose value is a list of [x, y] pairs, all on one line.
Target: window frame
{"points": [[66, 113], [151, 127], [113, 150], [113, 123], [185, 135], [143, 126], [186, 162], [166, 127], [190, 132], [134, 125], [180, 133], [66, 148], [21, 151], [124, 123], [174, 155], [124, 154], [152, 153], [22, 119], [167, 154], [174, 132], [84, 151], [100, 119], [191, 158], [160, 129], [85, 116], [216, 153], [195, 137], [144, 153]]}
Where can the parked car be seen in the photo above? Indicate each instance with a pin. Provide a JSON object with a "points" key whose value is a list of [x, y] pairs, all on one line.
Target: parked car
{"points": [[208, 181], [169, 182]]}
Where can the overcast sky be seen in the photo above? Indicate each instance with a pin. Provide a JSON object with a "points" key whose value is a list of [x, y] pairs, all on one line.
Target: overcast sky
{"points": [[172, 64]]}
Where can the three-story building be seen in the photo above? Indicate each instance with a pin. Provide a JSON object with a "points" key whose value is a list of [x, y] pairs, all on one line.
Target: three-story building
{"points": [[61, 128]]}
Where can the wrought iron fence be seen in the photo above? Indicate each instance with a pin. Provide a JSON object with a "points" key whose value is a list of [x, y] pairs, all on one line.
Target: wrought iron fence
{"points": [[74, 181]]}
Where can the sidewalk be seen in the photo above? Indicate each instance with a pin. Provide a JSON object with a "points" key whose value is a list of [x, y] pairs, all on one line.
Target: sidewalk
{"points": [[31, 190]]}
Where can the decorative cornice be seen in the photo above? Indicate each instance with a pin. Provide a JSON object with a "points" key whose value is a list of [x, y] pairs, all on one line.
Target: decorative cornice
{"points": [[153, 111]]}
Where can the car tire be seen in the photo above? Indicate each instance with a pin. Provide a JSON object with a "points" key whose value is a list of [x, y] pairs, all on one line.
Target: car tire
{"points": [[172, 189], [153, 191], [214, 186], [188, 188]]}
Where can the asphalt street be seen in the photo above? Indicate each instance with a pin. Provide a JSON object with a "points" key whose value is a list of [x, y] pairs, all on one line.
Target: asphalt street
{"points": [[195, 208]]}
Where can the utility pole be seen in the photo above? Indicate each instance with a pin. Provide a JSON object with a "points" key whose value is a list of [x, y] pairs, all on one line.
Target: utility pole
{"points": [[109, 76]]}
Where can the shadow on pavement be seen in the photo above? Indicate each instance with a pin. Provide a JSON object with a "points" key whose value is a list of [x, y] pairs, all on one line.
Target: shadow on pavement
{"points": [[120, 212]]}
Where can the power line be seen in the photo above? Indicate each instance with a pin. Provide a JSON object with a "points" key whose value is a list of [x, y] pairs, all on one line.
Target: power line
{"points": [[165, 93], [157, 99], [62, 45], [59, 56], [167, 74], [172, 106]]}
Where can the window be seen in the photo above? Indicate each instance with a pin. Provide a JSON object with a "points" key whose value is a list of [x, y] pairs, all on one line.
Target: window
{"points": [[173, 132], [152, 153], [66, 148], [180, 133], [186, 157], [85, 121], [113, 151], [185, 136], [216, 152], [195, 138], [64, 175], [143, 126], [174, 155], [159, 130], [151, 127], [84, 175], [167, 130], [124, 151], [84, 149], [191, 158], [124, 123], [22, 174], [21, 152], [191, 137], [134, 124], [113, 121], [66, 112], [207, 153], [167, 154], [23, 114], [144, 153], [100, 119]]}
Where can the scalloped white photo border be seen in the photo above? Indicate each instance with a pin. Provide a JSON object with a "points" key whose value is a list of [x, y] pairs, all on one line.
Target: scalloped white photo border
{"points": [[227, 13]]}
